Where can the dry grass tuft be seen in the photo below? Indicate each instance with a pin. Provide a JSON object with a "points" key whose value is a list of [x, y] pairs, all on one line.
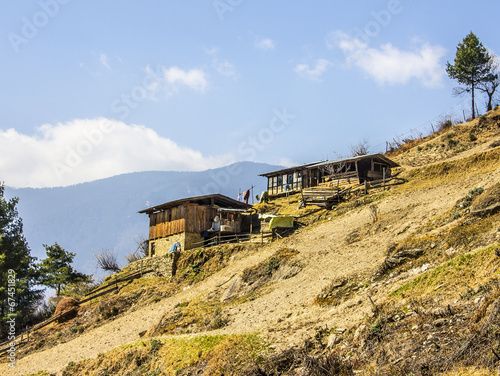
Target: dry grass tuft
{"points": [[300, 361], [203, 355], [456, 277], [470, 371], [451, 171], [488, 198], [340, 290]]}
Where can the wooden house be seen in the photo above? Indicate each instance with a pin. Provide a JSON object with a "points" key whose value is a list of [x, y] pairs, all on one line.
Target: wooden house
{"points": [[291, 179], [191, 221], [355, 170]]}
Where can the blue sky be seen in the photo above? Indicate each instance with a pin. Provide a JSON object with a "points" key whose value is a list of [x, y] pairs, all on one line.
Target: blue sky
{"points": [[93, 88]]}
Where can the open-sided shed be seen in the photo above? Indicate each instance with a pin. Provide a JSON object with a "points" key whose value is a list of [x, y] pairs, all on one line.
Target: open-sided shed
{"points": [[354, 170]]}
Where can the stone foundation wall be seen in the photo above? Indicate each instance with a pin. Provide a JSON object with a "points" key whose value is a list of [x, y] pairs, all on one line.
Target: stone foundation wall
{"points": [[162, 245], [164, 266], [188, 240]]}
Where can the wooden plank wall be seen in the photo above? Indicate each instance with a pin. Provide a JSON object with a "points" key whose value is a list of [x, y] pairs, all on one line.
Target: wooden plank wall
{"points": [[167, 228], [189, 217], [199, 218]]}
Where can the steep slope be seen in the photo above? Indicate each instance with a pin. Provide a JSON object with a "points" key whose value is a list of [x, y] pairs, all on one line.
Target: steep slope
{"points": [[412, 289]]}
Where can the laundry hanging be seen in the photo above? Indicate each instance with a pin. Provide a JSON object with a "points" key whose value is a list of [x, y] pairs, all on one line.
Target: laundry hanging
{"points": [[246, 196]]}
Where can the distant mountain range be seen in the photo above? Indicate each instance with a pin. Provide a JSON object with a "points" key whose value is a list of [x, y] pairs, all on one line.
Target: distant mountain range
{"points": [[102, 214]]}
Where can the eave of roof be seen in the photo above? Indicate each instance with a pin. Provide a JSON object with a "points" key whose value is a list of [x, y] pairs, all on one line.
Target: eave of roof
{"points": [[333, 161], [284, 170], [219, 200], [379, 156]]}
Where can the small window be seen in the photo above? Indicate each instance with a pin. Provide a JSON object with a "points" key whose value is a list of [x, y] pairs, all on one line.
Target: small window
{"points": [[280, 181], [289, 179]]}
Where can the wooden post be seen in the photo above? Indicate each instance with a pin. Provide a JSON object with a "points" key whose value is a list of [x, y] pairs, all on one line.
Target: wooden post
{"points": [[383, 178]]}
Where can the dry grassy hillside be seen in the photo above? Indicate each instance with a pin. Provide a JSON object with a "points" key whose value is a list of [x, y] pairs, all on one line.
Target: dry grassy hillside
{"points": [[401, 281]]}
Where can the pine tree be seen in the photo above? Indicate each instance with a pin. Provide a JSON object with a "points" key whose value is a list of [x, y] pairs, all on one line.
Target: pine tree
{"points": [[472, 67], [56, 270], [17, 268]]}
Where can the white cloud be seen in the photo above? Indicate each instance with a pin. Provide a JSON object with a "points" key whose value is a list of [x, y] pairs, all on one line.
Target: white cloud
{"points": [[171, 80], [313, 73], [195, 78], [389, 65], [265, 44], [222, 66], [89, 149], [103, 59]]}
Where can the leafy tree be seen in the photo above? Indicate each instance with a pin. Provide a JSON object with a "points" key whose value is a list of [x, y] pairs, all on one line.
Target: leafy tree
{"points": [[490, 86], [56, 270], [472, 67], [17, 263]]}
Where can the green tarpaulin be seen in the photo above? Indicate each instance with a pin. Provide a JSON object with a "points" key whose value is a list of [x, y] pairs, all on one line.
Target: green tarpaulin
{"points": [[284, 221]]}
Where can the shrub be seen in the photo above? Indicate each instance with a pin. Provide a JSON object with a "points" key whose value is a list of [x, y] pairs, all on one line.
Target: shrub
{"points": [[445, 124], [76, 329], [155, 345], [490, 197], [272, 265], [472, 137], [217, 321], [374, 212], [107, 260], [452, 142]]}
